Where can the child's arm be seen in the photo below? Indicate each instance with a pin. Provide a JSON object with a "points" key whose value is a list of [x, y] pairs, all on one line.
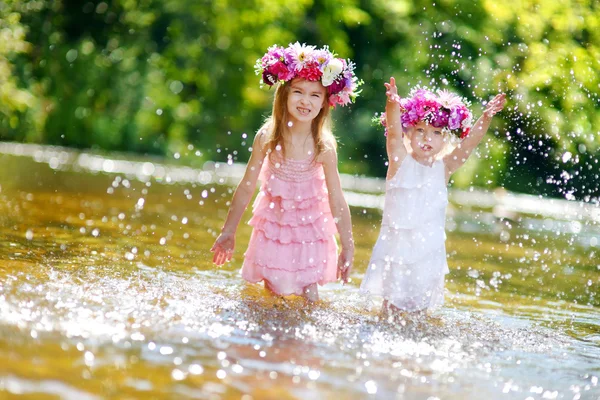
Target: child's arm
{"points": [[340, 212], [225, 243], [396, 150], [459, 156]]}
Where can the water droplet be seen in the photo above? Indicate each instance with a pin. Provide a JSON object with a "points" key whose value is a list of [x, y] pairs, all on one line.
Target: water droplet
{"points": [[72, 55], [89, 358], [371, 387], [195, 369], [177, 374], [176, 87]]}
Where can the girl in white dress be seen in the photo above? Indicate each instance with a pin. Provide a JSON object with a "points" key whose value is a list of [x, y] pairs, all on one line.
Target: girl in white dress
{"points": [[429, 136]]}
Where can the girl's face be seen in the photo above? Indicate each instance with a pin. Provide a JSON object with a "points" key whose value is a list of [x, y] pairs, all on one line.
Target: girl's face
{"points": [[305, 100], [426, 141]]}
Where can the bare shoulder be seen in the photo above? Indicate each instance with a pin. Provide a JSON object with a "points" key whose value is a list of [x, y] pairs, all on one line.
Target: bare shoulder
{"points": [[452, 162], [262, 137], [329, 153]]}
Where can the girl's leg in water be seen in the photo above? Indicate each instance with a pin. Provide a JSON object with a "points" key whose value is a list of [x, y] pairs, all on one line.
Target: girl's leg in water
{"points": [[393, 314], [311, 293], [388, 311], [269, 289]]}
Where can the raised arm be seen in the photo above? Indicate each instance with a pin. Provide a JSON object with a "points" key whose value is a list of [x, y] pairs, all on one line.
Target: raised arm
{"points": [[396, 150], [225, 243], [340, 212], [459, 156]]}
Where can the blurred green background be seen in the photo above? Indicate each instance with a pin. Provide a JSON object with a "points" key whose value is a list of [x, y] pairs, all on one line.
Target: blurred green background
{"points": [[176, 78]]}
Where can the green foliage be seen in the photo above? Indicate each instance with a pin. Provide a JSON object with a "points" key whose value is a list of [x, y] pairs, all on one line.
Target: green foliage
{"points": [[14, 100], [176, 76]]}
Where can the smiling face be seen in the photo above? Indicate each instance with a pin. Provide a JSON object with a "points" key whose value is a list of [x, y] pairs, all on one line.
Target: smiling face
{"points": [[305, 100], [426, 141]]}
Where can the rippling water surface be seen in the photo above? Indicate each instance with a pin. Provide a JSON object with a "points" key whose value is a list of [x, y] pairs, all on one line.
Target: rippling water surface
{"points": [[107, 291]]}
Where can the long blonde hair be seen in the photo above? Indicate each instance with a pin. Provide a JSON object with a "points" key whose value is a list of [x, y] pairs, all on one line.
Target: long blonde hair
{"points": [[276, 123]]}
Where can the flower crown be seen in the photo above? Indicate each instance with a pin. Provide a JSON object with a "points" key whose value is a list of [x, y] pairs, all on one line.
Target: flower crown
{"points": [[442, 109], [281, 64]]}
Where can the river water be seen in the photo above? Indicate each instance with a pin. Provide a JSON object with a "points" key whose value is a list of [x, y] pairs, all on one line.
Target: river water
{"points": [[107, 291]]}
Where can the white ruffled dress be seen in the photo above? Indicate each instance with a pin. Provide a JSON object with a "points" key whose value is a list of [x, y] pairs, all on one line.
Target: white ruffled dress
{"points": [[408, 264]]}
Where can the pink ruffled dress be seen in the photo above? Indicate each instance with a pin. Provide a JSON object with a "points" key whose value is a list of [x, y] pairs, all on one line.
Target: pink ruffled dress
{"points": [[293, 238], [408, 264]]}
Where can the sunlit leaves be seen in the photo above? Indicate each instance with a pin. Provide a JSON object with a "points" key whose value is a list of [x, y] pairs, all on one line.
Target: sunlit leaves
{"points": [[153, 76]]}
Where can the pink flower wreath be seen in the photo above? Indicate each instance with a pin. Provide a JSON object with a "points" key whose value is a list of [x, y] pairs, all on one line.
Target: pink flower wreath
{"points": [[297, 60], [442, 109]]}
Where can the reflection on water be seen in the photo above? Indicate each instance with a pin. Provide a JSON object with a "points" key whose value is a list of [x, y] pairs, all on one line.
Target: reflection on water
{"points": [[106, 290]]}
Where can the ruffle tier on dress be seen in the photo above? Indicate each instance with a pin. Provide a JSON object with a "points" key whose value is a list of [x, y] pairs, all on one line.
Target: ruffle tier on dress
{"points": [[408, 263], [293, 239]]}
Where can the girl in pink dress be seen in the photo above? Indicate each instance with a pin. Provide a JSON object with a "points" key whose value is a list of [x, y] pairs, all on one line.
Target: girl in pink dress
{"points": [[300, 206], [429, 136]]}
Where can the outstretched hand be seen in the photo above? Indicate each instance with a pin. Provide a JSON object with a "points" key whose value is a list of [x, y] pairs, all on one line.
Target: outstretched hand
{"points": [[344, 266], [223, 248], [495, 105], [392, 91]]}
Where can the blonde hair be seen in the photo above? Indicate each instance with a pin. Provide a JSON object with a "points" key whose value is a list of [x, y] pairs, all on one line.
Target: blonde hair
{"points": [[276, 124]]}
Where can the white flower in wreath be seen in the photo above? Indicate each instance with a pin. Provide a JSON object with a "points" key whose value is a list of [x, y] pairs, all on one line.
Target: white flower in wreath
{"points": [[467, 122], [331, 71]]}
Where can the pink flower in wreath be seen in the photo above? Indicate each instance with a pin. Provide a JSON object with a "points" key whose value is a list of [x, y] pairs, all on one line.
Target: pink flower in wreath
{"points": [[310, 72]]}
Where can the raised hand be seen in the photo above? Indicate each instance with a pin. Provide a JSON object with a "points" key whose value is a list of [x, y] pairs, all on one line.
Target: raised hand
{"points": [[223, 248], [495, 105], [392, 91]]}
